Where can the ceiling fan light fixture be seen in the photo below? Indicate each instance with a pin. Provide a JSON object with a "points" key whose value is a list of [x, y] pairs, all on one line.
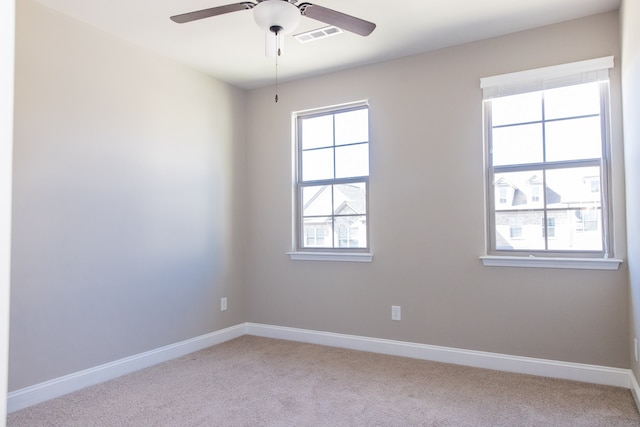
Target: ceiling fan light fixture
{"points": [[276, 16]]}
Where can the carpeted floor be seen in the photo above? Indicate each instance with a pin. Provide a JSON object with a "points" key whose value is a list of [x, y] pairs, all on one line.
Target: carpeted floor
{"points": [[254, 381]]}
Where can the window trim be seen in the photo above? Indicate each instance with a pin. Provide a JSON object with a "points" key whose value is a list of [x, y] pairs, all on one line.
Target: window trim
{"points": [[551, 262], [330, 256], [594, 70], [588, 71], [299, 252]]}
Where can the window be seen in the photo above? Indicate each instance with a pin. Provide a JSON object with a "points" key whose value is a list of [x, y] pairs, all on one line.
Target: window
{"points": [[550, 229], [547, 141], [594, 184], [332, 182], [535, 193], [515, 227], [502, 191], [314, 235], [587, 221], [348, 237]]}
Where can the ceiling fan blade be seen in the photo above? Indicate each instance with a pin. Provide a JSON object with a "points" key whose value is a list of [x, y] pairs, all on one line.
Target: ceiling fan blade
{"points": [[339, 19], [213, 11]]}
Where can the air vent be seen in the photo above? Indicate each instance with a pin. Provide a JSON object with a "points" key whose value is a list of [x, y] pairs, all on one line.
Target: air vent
{"points": [[318, 34]]}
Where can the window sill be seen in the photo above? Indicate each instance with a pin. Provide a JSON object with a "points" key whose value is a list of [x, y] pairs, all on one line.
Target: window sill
{"points": [[541, 262], [330, 256]]}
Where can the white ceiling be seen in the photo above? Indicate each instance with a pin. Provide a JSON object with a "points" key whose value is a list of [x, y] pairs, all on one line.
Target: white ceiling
{"points": [[231, 47]]}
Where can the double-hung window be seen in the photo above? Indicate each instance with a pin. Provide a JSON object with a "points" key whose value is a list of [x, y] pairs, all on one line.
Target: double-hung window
{"points": [[547, 161], [332, 180]]}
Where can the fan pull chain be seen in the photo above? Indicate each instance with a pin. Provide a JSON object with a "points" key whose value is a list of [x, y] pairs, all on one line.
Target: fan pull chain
{"points": [[275, 29], [278, 52]]}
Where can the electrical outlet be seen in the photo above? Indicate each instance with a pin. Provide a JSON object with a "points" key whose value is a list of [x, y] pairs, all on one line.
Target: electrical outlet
{"points": [[223, 304], [396, 312]]}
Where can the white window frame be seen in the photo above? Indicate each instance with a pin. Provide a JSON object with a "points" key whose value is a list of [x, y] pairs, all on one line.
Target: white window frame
{"points": [[299, 252], [594, 70]]}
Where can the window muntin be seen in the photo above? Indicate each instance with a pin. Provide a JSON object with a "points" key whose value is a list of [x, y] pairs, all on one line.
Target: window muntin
{"points": [[548, 155], [333, 178]]}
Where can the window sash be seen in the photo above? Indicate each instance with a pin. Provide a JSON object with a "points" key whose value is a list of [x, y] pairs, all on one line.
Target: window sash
{"points": [[331, 237]]}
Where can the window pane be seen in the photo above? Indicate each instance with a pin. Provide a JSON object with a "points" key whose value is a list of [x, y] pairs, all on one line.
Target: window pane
{"points": [[518, 190], [523, 108], [351, 232], [352, 161], [316, 200], [317, 233], [352, 127], [519, 230], [572, 101], [350, 199], [317, 164], [572, 188], [517, 144], [317, 132], [577, 229], [573, 139]]}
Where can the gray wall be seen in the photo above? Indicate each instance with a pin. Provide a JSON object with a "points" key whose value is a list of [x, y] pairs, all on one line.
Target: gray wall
{"points": [[7, 44], [127, 187], [427, 212], [630, 13]]}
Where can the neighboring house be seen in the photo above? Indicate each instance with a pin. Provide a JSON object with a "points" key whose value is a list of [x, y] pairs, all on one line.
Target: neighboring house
{"points": [[349, 209], [574, 214]]}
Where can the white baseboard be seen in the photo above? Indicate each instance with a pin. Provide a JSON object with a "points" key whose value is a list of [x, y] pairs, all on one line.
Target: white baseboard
{"points": [[635, 390], [595, 374], [479, 359], [28, 396]]}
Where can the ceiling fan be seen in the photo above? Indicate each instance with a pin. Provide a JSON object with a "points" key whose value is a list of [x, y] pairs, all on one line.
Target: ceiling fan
{"points": [[279, 17]]}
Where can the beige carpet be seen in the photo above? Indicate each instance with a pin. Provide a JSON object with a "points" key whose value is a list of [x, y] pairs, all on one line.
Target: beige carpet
{"points": [[254, 381]]}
